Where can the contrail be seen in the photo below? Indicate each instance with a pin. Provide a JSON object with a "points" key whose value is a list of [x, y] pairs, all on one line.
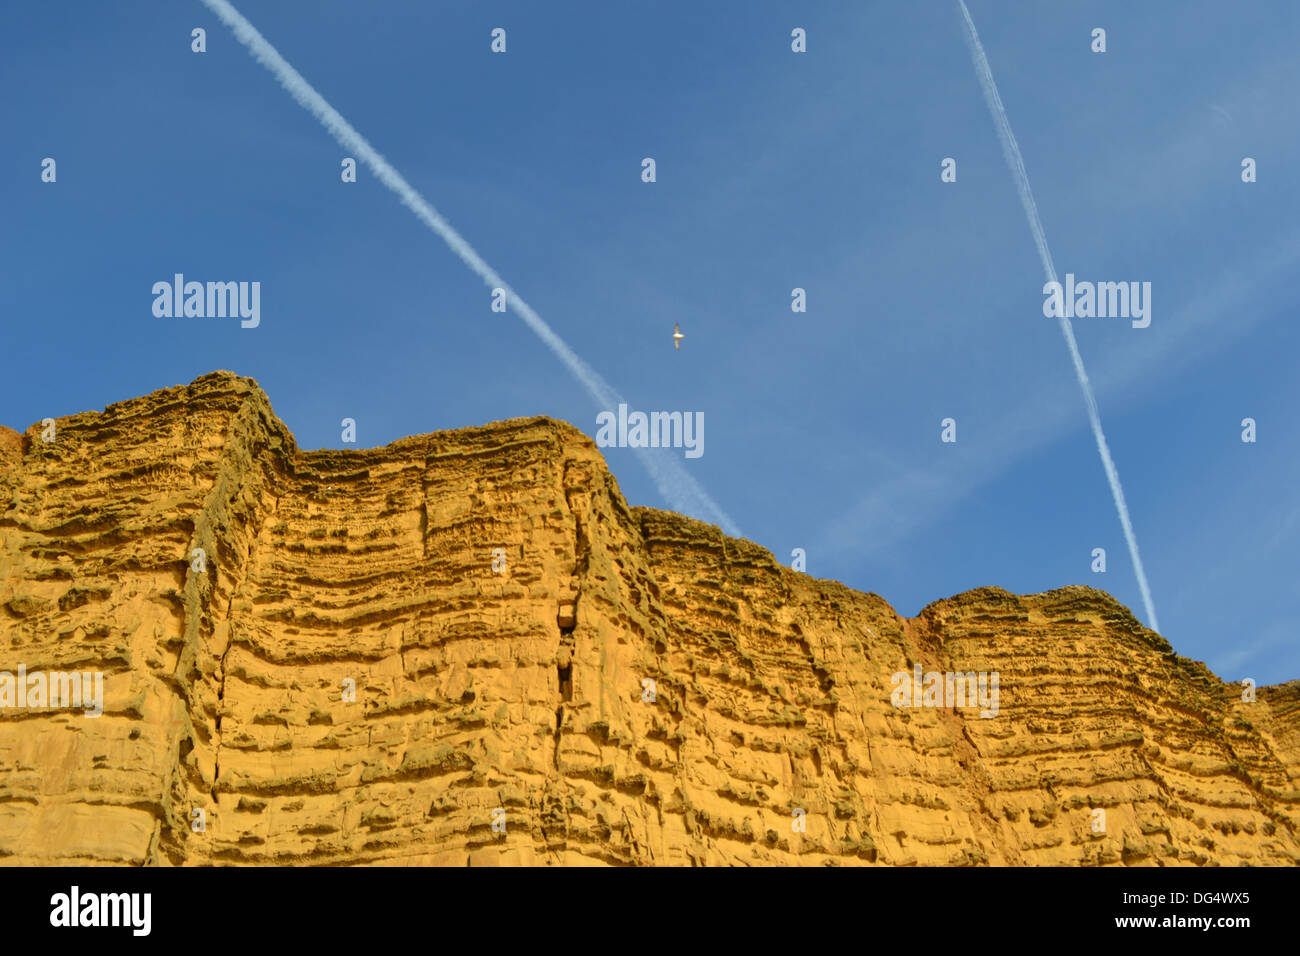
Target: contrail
{"points": [[1012, 153], [675, 484]]}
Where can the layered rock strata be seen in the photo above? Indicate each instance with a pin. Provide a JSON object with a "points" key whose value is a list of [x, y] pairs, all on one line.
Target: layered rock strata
{"points": [[466, 648]]}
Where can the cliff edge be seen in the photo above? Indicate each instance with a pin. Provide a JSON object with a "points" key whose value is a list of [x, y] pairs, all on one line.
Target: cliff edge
{"points": [[466, 648]]}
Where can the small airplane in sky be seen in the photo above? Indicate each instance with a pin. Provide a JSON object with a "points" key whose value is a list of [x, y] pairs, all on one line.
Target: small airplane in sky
{"points": [[677, 337]]}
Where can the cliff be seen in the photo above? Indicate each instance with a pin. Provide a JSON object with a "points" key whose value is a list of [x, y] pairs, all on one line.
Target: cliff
{"points": [[466, 648]]}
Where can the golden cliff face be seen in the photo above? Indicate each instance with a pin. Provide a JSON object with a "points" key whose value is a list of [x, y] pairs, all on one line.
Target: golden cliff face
{"points": [[466, 648]]}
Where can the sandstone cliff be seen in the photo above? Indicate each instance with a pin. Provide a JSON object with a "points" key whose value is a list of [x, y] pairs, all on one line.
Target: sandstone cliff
{"points": [[626, 686]]}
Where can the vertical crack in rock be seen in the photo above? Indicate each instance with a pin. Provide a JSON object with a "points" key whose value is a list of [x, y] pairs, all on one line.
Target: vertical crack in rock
{"points": [[970, 762], [424, 510], [556, 806], [566, 613], [229, 511]]}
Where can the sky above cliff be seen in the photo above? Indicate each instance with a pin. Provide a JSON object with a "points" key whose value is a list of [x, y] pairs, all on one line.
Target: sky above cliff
{"points": [[774, 170]]}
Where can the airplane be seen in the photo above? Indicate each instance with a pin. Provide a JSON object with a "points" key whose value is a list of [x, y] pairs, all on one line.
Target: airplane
{"points": [[677, 337]]}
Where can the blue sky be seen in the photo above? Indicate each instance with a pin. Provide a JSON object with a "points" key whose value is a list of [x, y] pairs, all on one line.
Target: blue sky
{"points": [[775, 170]]}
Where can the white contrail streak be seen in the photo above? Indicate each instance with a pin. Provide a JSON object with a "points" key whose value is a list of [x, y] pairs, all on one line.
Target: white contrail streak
{"points": [[675, 484], [1012, 153]]}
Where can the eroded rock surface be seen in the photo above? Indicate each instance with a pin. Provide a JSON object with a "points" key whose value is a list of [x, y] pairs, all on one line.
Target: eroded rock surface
{"points": [[627, 686]]}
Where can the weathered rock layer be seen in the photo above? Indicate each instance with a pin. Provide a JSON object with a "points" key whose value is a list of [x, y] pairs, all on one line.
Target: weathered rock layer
{"points": [[466, 647]]}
